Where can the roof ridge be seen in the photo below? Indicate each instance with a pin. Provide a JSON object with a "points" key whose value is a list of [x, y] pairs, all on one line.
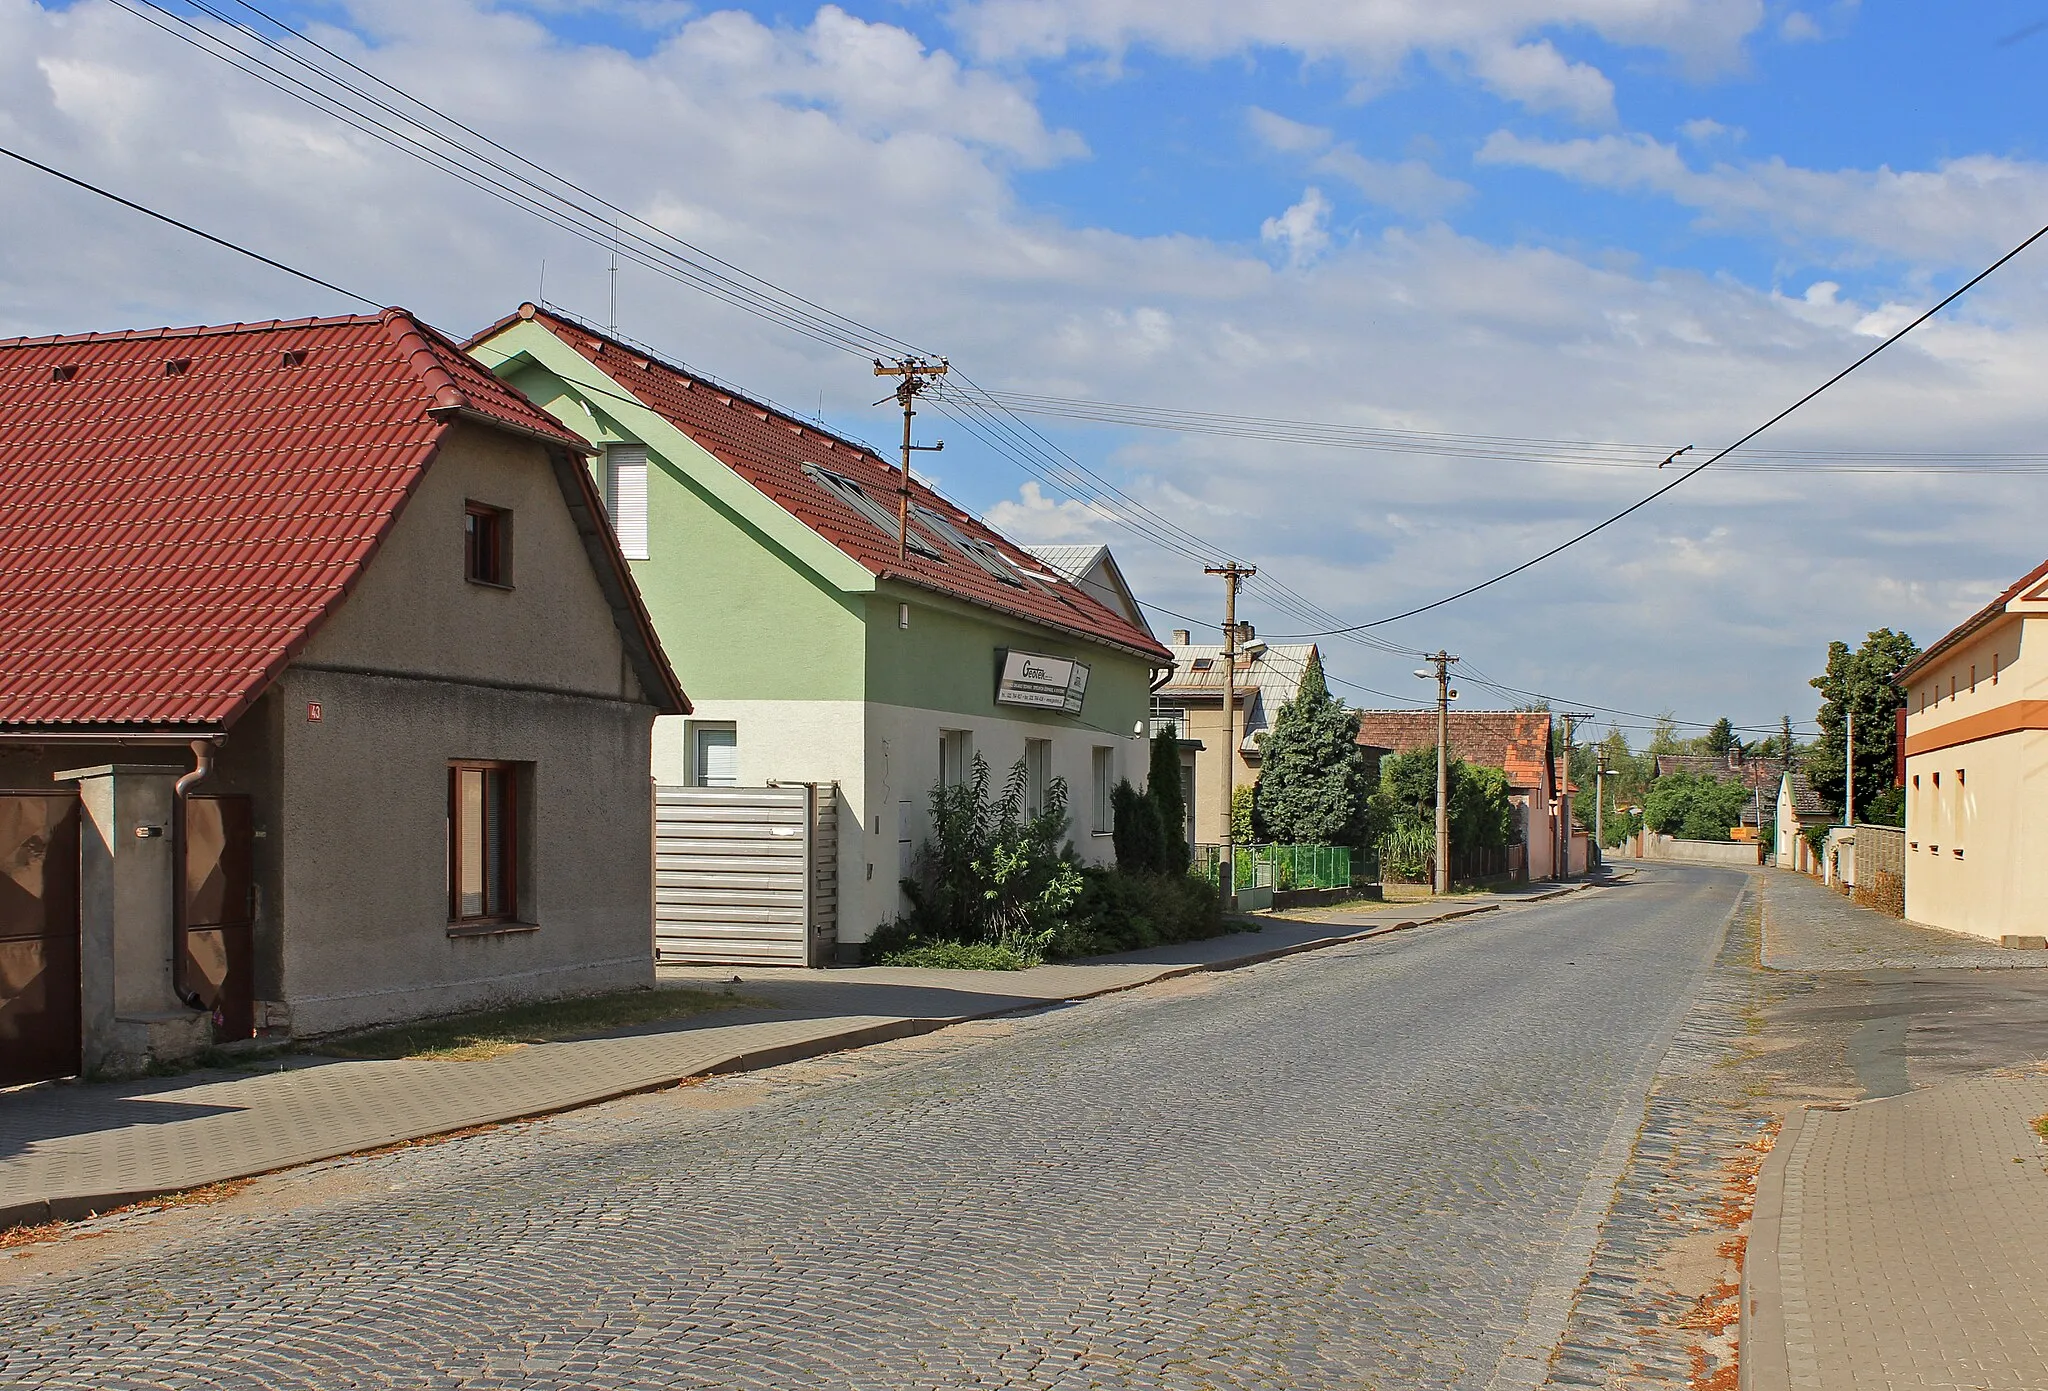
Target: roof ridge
{"points": [[409, 336], [194, 330]]}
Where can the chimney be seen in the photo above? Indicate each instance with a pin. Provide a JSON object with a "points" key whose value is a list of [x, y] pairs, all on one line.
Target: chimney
{"points": [[1180, 637]]}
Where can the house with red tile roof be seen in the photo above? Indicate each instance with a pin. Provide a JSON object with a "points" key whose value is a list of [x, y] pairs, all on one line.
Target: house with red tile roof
{"points": [[817, 644], [325, 694], [1516, 741]]}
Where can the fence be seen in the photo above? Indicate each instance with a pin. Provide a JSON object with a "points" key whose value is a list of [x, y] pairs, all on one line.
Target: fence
{"points": [[1881, 868], [1281, 866]]}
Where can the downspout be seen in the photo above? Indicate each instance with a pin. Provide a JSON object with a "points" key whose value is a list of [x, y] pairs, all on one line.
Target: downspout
{"points": [[202, 769]]}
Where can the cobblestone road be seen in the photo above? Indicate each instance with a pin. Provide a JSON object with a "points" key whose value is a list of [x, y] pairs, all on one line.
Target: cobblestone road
{"points": [[1375, 1166]]}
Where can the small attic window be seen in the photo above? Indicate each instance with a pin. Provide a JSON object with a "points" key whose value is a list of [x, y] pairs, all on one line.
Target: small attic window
{"points": [[64, 373], [1205, 663], [292, 357], [177, 367]]}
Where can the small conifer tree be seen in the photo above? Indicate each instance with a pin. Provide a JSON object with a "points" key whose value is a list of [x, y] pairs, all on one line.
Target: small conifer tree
{"points": [[1314, 785], [1140, 844], [1170, 798]]}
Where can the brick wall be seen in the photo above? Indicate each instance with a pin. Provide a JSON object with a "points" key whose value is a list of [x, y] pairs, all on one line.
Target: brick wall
{"points": [[1881, 869]]}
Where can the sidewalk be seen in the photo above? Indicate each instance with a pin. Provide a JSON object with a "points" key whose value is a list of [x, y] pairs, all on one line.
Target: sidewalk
{"points": [[1902, 1241], [67, 1150]]}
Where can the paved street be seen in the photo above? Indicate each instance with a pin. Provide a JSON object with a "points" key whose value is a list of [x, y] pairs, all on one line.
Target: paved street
{"points": [[1380, 1165]]}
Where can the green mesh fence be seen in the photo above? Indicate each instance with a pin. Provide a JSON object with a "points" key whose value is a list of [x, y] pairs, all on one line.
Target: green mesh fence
{"points": [[1281, 866]]}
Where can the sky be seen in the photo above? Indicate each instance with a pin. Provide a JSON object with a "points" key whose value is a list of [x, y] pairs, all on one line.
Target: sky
{"points": [[1652, 223]]}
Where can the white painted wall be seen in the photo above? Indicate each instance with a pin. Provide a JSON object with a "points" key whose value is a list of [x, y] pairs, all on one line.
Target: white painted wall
{"points": [[884, 756]]}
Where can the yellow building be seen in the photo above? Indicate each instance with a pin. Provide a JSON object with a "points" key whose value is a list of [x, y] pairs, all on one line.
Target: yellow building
{"points": [[1191, 699], [1977, 771]]}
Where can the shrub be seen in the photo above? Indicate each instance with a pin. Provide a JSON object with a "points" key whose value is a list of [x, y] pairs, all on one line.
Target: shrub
{"points": [[1409, 851], [990, 874], [1119, 911], [1695, 808], [957, 956]]}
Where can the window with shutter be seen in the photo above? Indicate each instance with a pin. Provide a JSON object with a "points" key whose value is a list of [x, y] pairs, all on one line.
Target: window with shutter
{"points": [[625, 496], [718, 757]]}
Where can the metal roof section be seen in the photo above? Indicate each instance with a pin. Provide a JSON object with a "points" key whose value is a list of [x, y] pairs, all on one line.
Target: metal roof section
{"points": [[1094, 568]]}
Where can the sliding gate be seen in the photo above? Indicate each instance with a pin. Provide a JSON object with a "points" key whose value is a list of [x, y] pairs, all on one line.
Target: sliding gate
{"points": [[745, 876]]}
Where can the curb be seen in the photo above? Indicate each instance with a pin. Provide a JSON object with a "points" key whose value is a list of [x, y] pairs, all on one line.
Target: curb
{"points": [[1762, 1358], [77, 1207]]}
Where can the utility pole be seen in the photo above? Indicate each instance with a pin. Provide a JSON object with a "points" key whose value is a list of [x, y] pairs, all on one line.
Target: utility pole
{"points": [[1600, 806], [917, 374], [1442, 662], [1564, 862], [1849, 766], [1226, 868]]}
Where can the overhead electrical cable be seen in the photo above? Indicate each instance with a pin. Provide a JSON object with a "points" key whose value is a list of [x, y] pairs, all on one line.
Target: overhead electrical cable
{"points": [[1697, 469]]}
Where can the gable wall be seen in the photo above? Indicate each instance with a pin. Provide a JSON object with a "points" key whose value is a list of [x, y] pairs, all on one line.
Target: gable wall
{"points": [[414, 613]]}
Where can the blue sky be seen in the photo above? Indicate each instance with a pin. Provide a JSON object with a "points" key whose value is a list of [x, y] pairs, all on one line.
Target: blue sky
{"points": [[1636, 220]]}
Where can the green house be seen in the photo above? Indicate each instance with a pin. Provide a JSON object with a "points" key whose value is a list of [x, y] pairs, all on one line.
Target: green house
{"points": [[766, 550]]}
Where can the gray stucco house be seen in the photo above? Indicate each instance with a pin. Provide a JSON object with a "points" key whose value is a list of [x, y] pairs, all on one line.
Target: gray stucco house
{"points": [[325, 694]]}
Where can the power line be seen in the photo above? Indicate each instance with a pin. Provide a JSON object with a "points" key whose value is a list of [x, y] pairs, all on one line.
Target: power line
{"points": [[1703, 465], [1509, 448], [187, 227]]}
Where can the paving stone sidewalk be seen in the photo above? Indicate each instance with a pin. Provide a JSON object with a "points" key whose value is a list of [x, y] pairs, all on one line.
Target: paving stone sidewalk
{"points": [[71, 1149], [1810, 927], [1901, 1241]]}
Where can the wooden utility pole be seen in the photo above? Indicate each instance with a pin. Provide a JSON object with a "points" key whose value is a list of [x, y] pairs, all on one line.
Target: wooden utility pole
{"points": [[1441, 880], [1226, 870], [1564, 863], [916, 374]]}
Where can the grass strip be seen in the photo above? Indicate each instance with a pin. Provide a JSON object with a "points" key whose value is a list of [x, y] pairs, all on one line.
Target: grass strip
{"points": [[492, 1032]]}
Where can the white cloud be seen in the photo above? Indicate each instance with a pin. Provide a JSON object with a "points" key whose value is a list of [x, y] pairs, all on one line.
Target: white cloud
{"points": [[1407, 186], [901, 209], [1705, 131], [1303, 231], [1540, 78], [1501, 42], [1799, 27], [1962, 210]]}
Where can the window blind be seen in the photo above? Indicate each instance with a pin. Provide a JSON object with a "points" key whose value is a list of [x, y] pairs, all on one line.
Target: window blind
{"points": [[718, 758], [625, 495]]}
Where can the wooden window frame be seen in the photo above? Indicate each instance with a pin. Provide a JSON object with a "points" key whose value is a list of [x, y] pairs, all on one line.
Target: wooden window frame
{"points": [[498, 573], [508, 871]]}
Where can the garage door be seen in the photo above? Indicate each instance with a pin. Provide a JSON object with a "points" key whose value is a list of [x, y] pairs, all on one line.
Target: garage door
{"points": [[39, 1004]]}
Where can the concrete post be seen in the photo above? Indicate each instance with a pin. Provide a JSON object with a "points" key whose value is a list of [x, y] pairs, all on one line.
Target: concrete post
{"points": [[130, 1013]]}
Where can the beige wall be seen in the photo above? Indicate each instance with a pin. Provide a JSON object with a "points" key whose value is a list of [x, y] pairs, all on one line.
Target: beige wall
{"points": [[414, 612], [419, 667], [1205, 722], [1977, 809]]}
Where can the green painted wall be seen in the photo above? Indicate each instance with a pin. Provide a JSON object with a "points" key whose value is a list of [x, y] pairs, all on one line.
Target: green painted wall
{"points": [[946, 660], [739, 617], [744, 616]]}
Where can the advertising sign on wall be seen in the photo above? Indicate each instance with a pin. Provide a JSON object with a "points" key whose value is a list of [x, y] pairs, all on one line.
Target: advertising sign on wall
{"points": [[1043, 683]]}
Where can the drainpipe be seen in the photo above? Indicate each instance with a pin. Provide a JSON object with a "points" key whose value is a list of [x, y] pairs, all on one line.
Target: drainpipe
{"points": [[202, 769]]}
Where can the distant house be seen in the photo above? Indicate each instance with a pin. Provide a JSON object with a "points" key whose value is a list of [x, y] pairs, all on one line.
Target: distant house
{"points": [[1516, 741], [1094, 570], [325, 695], [1797, 809], [1191, 698], [1976, 750], [767, 547]]}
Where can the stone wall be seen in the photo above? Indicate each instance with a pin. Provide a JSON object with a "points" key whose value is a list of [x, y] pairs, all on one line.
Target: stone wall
{"points": [[1881, 869]]}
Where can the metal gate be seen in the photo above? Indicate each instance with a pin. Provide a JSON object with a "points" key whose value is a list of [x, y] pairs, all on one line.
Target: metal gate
{"points": [[39, 947], [745, 875], [217, 952]]}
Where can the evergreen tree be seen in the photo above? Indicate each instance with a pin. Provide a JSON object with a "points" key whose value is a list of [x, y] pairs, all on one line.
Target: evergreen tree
{"points": [[1139, 841], [1169, 797], [1314, 783], [1721, 738]]}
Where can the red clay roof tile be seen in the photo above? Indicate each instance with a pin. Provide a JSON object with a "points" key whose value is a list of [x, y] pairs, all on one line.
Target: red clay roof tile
{"points": [[769, 451], [167, 541]]}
